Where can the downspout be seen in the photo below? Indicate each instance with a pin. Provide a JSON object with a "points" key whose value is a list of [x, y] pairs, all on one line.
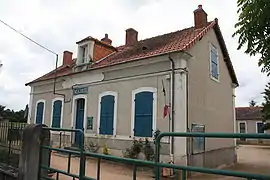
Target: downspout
{"points": [[172, 107], [173, 110], [54, 81]]}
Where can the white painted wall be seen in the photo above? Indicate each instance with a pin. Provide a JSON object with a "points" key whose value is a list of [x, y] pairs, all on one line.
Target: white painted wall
{"points": [[30, 105], [180, 108], [82, 79]]}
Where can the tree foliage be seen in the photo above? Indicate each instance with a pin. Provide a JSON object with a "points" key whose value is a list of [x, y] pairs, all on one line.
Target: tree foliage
{"points": [[253, 29], [11, 115], [266, 106], [252, 103], [266, 103]]}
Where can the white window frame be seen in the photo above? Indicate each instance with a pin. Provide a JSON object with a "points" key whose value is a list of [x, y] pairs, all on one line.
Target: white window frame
{"points": [[115, 94], [245, 122], [74, 110], [212, 46], [44, 110], [90, 50], [136, 91], [84, 50], [62, 109], [257, 125]]}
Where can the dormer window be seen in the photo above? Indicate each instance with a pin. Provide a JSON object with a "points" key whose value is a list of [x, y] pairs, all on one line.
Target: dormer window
{"points": [[85, 51]]}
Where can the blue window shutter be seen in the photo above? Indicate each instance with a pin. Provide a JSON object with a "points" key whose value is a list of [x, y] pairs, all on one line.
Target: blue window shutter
{"points": [[57, 110], [143, 120], [107, 115], [39, 113], [214, 62]]}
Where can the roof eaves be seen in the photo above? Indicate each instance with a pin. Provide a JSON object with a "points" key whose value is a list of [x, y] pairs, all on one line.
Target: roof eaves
{"points": [[225, 53]]}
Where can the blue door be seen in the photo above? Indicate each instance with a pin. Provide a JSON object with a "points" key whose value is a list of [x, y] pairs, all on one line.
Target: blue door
{"points": [[57, 110], [79, 119], [39, 113], [106, 115], [143, 120]]}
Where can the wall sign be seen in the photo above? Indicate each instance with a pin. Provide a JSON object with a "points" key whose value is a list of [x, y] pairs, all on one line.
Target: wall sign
{"points": [[89, 123], [198, 143], [80, 90]]}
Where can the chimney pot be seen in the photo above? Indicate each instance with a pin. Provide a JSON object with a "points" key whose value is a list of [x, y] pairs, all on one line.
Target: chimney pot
{"points": [[131, 36], [106, 39], [200, 17], [67, 57]]}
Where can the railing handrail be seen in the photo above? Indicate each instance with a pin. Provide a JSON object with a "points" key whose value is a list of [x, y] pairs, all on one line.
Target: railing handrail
{"points": [[136, 162]]}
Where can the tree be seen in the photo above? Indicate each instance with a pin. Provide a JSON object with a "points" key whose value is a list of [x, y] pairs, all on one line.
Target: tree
{"points": [[266, 106], [253, 29], [11, 115], [252, 103]]}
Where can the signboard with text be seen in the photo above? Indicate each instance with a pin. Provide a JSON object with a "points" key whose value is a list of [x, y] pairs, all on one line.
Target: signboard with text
{"points": [[198, 143], [80, 90]]}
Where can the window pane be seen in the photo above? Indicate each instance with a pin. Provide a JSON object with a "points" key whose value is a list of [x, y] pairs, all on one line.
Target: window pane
{"points": [[214, 57], [242, 127], [214, 70]]}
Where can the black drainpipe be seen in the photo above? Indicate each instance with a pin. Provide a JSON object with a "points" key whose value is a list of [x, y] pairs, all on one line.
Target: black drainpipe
{"points": [[172, 103], [54, 81]]}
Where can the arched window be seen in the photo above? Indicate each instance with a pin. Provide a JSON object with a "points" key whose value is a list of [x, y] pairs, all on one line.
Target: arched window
{"points": [[57, 113], [144, 112], [107, 113], [40, 108]]}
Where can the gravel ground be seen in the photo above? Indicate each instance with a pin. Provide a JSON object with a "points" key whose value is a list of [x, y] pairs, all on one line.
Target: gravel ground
{"points": [[254, 159]]}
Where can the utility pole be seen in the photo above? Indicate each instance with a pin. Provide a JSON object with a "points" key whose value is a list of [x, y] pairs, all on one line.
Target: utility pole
{"points": [[1, 64]]}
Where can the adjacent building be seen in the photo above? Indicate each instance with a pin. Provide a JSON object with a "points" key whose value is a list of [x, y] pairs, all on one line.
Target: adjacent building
{"points": [[249, 120], [181, 81]]}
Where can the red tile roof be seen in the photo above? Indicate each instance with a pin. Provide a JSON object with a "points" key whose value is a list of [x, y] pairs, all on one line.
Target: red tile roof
{"points": [[172, 42], [248, 113]]}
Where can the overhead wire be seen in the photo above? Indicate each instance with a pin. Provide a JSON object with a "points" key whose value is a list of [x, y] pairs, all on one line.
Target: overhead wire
{"points": [[30, 39]]}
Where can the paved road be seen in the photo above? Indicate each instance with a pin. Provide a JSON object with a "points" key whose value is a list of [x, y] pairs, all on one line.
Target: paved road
{"points": [[250, 159], [253, 159]]}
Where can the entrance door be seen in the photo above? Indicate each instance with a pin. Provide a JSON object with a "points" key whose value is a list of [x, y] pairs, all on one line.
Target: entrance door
{"points": [[80, 104]]}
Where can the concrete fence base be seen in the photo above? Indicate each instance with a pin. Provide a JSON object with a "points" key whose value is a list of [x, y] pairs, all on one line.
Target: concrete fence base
{"points": [[33, 137]]}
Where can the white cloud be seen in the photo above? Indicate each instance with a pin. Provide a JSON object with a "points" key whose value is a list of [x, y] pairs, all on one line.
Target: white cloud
{"points": [[59, 24]]}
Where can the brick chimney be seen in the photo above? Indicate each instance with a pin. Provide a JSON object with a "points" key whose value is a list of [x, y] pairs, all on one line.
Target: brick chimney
{"points": [[131, 36], [106, 39], [200, 17], [67, 57]]}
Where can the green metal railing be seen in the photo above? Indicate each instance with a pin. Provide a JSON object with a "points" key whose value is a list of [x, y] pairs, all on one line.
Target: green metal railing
{"points": [[157, 165]]}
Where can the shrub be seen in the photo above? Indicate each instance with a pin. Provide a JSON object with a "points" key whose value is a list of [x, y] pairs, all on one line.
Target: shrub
{"points": [[139, 146], [92, 147], [105, 150]]}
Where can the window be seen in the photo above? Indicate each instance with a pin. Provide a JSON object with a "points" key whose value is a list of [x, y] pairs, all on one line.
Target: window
{"points": [[40, 112], [259, 126], [57, 110], [107, 113], [84, 54], [144, 111], [242, 129], [214, 62]]}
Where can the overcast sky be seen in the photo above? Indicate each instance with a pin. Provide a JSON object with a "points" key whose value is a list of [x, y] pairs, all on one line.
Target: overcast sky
{"points": [[58, 24]]}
